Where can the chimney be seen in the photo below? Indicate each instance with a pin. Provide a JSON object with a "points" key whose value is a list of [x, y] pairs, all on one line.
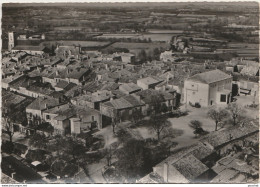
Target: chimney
{"points": [[68, 71], [57, 73], [106, 65], [165, 172]]}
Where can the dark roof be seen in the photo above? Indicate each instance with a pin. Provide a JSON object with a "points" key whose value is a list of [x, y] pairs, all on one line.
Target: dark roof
{"points": [[110, 86], [61, 84], [148, 95], [129, 87], [29, 48], [39, 103], [128, 101], [73, 73]]}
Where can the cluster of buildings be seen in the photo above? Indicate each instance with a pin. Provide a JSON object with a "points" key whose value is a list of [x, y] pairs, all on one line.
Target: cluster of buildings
{"points": [[77, 90], [103, 86], [209, 160]]}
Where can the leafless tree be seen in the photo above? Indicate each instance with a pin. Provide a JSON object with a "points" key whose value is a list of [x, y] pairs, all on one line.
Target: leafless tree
{"points": [[217, 115], [235, 111], [8, 127]]}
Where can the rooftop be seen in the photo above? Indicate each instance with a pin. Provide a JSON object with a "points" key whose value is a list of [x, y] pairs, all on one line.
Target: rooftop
{"points": [[148, 95], [219, 138], [149, 80], [190, 167], [210, 76], [129, 87], [128, 101], [40, 102], [28, 48]]}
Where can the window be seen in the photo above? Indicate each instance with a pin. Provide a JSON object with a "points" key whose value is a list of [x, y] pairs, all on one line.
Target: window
{"points": [[223, 98], [93, 118], [192, 85], [193, 93], [47, 116]]}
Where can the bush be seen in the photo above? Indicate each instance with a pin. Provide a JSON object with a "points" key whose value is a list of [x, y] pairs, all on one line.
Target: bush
{"points": [[7, 147], [197, 105]]}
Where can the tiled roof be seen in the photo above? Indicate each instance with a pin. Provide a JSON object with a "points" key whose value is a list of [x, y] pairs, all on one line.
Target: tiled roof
{"points": [[210, 76], [92, 86], [61, 84], [124, 102], [29, 48], [11, 98], [151, 178], [129, 87], [110, 86], [148, 95], [39, 103], [67, 111], [190, 167], [73, 73], [149, 80], [219, 138]]}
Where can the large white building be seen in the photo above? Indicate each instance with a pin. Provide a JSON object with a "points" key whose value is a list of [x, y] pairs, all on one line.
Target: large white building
{"points": [[208, 88]]}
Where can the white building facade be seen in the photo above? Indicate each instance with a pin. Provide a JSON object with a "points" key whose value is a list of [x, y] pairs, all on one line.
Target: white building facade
{"points": [[208, 88]]}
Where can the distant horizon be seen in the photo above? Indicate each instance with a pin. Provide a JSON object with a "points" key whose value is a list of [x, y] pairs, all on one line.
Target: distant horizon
{"points": [[126, 4]]}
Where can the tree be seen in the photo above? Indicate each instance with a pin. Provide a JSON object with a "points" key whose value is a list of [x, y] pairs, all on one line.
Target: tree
{"points": [[131, 159], [108, 155], [164, 108], [156, 105], [8, 126], [142, 56], [110, 151], [156, 54], [69, 149], [137, 115], [36, 121], [115, 121], [38, 140], [217, 115], [235, 111], [196, 126], [159, 123]]}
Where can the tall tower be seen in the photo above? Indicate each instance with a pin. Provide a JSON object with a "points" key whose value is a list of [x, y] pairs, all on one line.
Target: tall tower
{"points": [[11, 40]]}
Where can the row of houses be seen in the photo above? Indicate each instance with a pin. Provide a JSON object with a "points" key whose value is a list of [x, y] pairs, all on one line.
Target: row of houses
{"points": [[64, 117]]}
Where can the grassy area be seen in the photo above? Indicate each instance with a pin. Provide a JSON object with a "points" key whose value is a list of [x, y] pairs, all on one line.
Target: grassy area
{"points": [[137, 47]]}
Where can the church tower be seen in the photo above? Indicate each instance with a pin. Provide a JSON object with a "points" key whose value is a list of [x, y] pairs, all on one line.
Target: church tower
{"points": [[11, 40]]}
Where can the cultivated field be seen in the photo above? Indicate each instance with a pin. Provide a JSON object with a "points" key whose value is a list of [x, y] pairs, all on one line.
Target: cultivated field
{"points": [[137, 47]]}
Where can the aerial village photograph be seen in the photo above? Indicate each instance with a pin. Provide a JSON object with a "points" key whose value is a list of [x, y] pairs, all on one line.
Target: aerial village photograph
{"points": [[139, 93]]}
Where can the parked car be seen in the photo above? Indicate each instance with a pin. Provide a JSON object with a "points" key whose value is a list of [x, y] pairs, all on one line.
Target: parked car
{"points": [[196, 105]]}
